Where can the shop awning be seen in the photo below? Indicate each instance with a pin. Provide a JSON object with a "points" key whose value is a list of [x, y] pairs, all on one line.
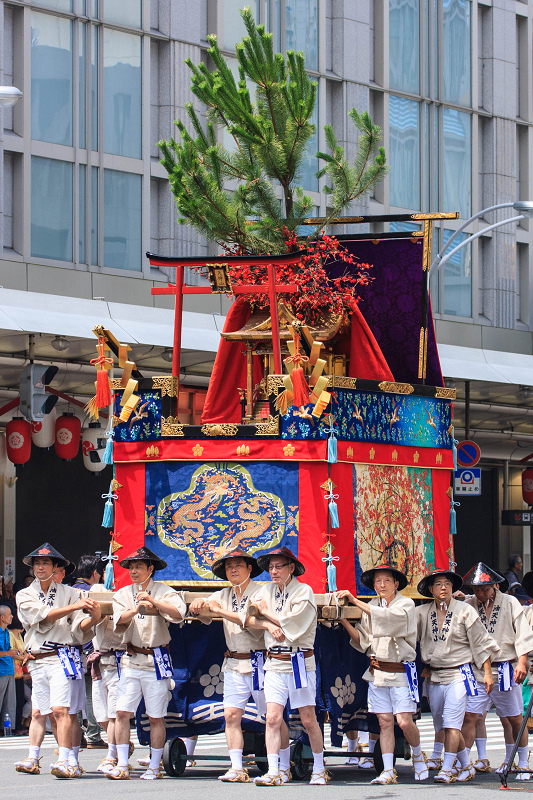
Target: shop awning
{"points": [[474, 364]]}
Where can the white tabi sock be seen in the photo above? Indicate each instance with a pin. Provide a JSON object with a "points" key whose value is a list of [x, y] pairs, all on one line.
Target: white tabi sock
{"points": [[416, 751], [72, 760], [111, 750], [63, 754], [190, 744], [236, 759], [388, 761], [273, 763], [76, 751], [438, 750], [371, 745], [508, 751], [522, 757], [318, 761], [123, 754], [155, 757], [481, 747], [464, 757], [285, 758], [352, 745], [448, 761], [34, 751]]}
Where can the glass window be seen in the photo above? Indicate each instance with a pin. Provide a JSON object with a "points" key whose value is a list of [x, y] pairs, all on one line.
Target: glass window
{"points": [[94, 215], [122, 93], [456, 51], [51, 79], [301, 20], [81, 225], [458, 278], [404, 45], [456, 162], [51, 208], [94, 88], [124, 13], [122, 220], [310, 165], [234, 29], [404, 153], [58, 5], [82, 82]]}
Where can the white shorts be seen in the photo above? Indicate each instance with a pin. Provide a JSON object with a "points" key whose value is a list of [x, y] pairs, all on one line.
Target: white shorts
{"points": [[135, 683], [279, 687], [49, 686], [390, 700], [105, 695], [507, 704], [448, 704], [78, 697], [237, 691]]}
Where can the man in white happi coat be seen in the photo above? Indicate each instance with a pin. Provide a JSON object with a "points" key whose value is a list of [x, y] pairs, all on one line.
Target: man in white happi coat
{"points": [[505, 620], [243, 660], [145, 668], [56, 628], [387, 633], [109, 648], [452, 639], [290, 669]]}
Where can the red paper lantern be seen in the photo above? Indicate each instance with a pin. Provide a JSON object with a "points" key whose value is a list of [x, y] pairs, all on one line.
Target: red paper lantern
{"points": [[68, 432], [18, 440], [527, 486]]}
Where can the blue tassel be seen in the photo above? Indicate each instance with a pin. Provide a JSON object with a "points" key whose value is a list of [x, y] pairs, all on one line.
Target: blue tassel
{"points": [[332, 449], [455, 442], [109, 578], [453, 518], [107, 521], [333, 514], [331, 574], [107, 458]]}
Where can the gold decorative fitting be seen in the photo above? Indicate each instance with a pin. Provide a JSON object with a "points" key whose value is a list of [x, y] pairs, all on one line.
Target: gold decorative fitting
{"points": [[270, 427], [349, 452], [438, 458], [395, 455], [342, 382], [171, 426], [168, 384], [115, 384], [219, 278], [372, 453], [328, 485], [274, 383], [243, 450], [219, 429], [416, 456], [152, 451], [437, 215], [450, 430], [99, 330], [289, 450], [396, 388], [115, 546], [116, 486], [449, 394], [449, 492], [116, 421], [197, 450]]}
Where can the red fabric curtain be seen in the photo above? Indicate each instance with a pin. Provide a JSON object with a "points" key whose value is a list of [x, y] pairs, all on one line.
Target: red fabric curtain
{"points": [[222, 403], [366, 359], [129, 515], [440, 482]]}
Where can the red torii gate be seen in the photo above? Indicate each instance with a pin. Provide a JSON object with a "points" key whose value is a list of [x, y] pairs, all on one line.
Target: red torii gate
{"points": [[218, 265]]}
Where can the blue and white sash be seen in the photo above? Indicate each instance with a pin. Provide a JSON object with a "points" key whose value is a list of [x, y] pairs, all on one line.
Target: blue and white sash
{"points": [[80, 669], [412, 680], [71, 666], [469, 680], [298, 670], [506, 679], [118, 659], [163, 664], [257, 658]]}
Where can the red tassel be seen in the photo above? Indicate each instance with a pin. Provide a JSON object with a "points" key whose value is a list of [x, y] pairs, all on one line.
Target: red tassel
{"points": [[300, 387], [103, 389]]}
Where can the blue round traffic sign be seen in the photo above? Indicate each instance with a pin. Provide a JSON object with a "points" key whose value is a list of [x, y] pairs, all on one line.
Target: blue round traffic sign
{"points": [[468, 453]]}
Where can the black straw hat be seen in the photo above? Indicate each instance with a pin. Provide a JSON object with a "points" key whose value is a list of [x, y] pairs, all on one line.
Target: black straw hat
{"points": [[482, 575], [428, 580], [46, 550], [219, 566], [143, 554], [264, 560], [367, 577]]}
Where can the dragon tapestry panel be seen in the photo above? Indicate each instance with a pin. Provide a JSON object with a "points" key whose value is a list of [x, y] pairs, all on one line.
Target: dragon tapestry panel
{"points": [[393, 520], [195, 512]]}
